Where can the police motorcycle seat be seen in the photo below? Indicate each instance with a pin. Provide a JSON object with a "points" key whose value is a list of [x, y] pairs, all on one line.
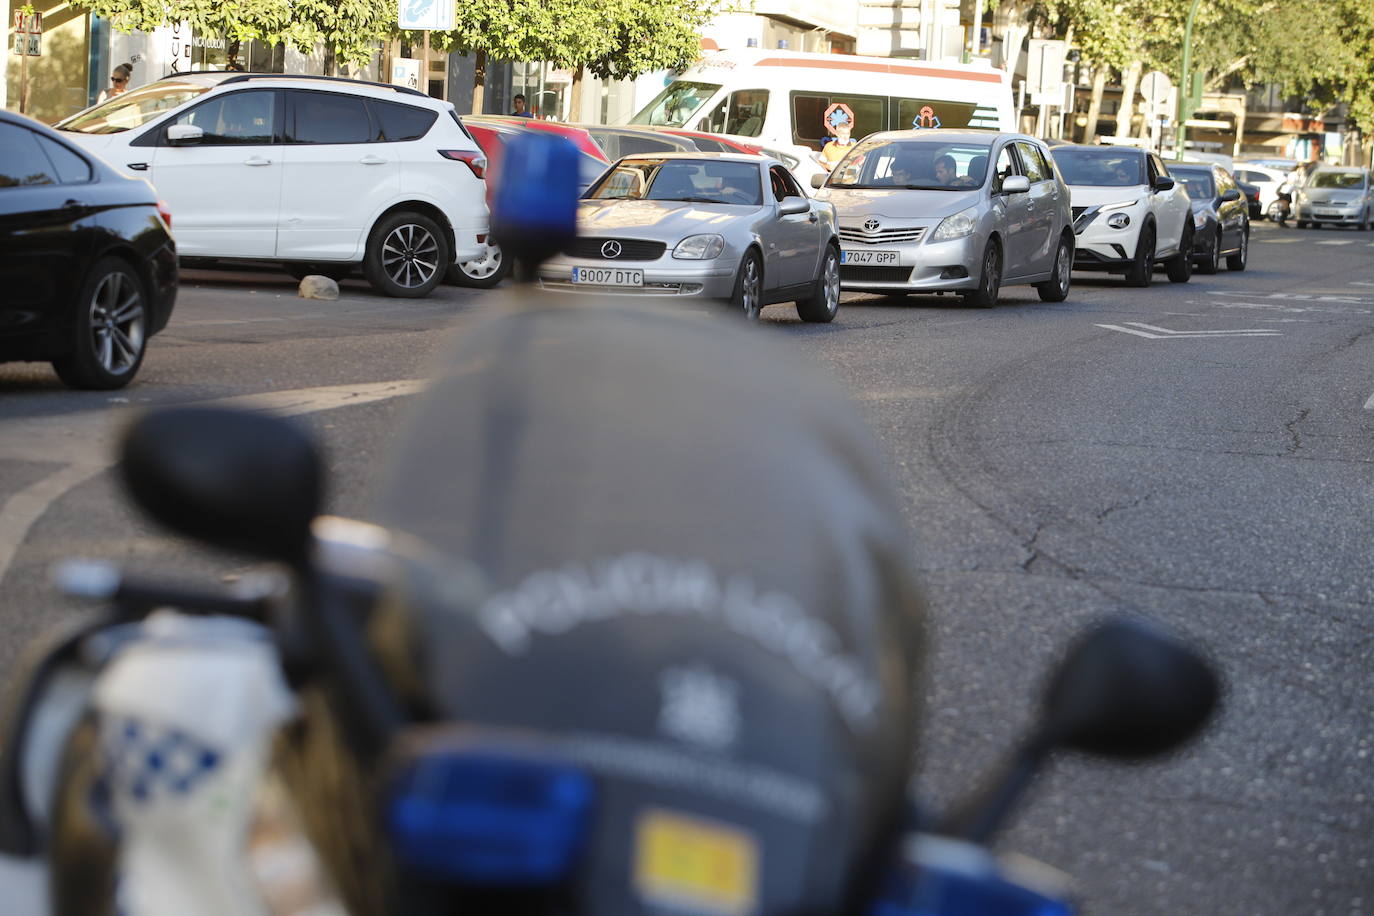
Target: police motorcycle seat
{"points": [[698, 595]]}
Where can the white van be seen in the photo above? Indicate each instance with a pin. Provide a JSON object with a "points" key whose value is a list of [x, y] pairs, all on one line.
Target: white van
{"points": [[780, 98]]}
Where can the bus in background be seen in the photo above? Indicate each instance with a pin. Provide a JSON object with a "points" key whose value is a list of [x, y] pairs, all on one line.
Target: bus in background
{"points": [[781, 98]]}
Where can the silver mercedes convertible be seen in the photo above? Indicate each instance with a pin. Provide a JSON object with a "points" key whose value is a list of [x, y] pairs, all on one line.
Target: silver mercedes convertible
{"points": [[707, 226]]}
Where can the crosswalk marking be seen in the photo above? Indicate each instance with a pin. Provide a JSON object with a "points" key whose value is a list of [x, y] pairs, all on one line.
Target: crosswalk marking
{"points": [[1338, 242]]}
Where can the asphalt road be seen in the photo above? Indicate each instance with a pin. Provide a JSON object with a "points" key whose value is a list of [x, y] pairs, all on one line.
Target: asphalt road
{"points": [[1197, 453]]}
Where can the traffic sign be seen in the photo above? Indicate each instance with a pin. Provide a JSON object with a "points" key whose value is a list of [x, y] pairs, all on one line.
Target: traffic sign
{"points": [[1045, 67], [1156, 87], [426, 15], [28, 34]]}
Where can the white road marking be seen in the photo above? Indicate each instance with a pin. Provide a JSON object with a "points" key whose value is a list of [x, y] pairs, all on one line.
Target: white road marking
{"points": [[1338, 242], [1283, 241], [1361, 282], [84, 441], [1369, 404], [1166, 334]]}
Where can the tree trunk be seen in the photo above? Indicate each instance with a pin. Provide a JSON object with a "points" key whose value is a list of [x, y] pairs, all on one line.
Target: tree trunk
{"points": [[1095, 104], [575, 101], [1129, 81], [328, 60], [479, 82]]}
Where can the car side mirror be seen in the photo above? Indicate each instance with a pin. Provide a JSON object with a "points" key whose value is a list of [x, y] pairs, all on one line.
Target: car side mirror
{"points": [[1230, 195], [818, 180], [1015, 184], [1163, 183], [184, 135], [237, 480], [793, 206]]}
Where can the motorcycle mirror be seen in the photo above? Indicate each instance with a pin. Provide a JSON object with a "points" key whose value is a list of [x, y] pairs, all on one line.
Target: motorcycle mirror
{"points": [[1125, 690], [1128, 690], [232, 479]]}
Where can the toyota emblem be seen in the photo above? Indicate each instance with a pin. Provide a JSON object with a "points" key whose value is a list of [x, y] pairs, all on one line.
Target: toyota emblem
{"points": [[611, 250], [870, 225]]}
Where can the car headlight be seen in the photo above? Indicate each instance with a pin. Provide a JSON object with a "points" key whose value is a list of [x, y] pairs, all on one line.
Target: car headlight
{"points": [[1120, 205], [957, 226], [1199, 219], [1119, 220], [699, 247], [1302, 196]]}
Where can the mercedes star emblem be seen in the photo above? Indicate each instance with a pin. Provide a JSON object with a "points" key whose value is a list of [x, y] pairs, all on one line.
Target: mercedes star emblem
{"points": [[870, 225], [611, 249]]}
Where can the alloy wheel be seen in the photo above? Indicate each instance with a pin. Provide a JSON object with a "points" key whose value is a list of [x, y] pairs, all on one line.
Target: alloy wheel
{"points": [[410, 255], [832, 283], [117, 323], [749, 289]]}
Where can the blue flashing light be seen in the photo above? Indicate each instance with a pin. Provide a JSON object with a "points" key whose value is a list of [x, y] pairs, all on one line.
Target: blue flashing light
{"points": [[534, 209], [489, 819]]}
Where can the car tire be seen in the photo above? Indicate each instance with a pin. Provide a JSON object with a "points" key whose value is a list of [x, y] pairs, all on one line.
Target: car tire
{"points": [[1141, 273], [748, 295], [335, 272], [989, 278], [1302, 224], [1212, 264], [1238, 260], [1056, 289], [110, 330], [1275, 213], [407, 256], [1180, 266], [1364, 221], [824, 302], [480, 273]]}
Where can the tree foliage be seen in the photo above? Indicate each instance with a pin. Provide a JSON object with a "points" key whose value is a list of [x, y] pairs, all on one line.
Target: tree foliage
{"points": [[610, 38], [1319, 52]]}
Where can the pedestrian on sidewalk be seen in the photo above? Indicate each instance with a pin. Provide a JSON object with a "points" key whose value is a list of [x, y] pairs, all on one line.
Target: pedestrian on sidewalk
{"points": [[119, 82]]}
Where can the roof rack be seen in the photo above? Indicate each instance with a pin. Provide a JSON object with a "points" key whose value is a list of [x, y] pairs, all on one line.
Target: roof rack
{"points": [[245, 77]]}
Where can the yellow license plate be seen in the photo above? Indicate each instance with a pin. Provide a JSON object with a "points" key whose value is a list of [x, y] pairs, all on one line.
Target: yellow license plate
{"points": [[696, 864]]}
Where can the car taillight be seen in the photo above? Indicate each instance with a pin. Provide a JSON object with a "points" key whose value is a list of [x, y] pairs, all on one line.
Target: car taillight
{"points": [[165, 212], [474, 160]]}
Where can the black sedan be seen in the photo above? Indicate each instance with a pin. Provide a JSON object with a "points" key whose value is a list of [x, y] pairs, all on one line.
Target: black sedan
{"points": [[88, 268], [1221, 219]]}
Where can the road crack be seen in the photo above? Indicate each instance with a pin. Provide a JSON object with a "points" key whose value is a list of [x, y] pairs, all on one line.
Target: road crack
{"points": [[1292, 427], [1118, 507]]}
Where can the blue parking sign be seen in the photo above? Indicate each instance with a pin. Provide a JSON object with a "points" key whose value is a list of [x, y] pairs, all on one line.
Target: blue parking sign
{"points": [[427, 15]]}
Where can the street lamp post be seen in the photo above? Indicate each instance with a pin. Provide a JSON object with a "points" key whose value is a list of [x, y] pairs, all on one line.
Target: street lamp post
{"points": [[1185, 87]]}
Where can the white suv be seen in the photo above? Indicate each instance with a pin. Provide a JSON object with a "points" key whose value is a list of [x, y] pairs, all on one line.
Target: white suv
{"points": [[1128, 213], [321, 174]]}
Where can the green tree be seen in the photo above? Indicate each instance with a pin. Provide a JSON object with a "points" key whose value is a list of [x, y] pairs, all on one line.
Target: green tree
{"points": [[349, 29], [611, 38]]}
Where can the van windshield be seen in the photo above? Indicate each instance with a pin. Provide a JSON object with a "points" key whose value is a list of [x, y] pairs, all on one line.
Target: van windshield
{"points": [[675, 105], [132, 109]]}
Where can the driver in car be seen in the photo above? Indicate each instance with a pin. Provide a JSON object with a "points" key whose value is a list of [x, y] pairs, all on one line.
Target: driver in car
{"points": [[947, 174]]}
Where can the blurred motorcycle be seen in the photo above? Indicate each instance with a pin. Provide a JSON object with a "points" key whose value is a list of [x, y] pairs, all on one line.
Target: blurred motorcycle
{"points": [[635, 633]]}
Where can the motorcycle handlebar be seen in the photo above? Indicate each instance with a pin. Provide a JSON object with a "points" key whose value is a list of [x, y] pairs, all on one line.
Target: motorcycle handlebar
{"points": [[136, 597]]}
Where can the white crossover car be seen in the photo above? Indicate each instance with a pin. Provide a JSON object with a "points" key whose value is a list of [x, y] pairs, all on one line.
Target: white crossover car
{"points": [[319, 174], [1128, 213]]}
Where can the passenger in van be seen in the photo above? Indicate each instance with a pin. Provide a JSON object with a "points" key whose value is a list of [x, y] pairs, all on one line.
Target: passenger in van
{"points": [[835, 149]]}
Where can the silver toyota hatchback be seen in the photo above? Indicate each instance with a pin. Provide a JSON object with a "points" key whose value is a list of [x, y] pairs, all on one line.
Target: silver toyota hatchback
{"points": [[934, 211]]}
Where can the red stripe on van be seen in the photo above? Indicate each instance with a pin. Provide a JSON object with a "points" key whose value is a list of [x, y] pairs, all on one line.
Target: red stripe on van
{"points": [[842, 64]]}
